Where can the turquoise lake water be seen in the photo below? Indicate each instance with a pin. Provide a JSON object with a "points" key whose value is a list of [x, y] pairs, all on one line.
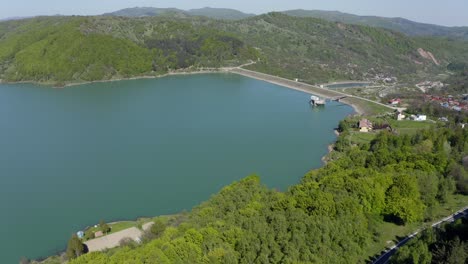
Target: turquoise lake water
{"points": [[121, 150]]}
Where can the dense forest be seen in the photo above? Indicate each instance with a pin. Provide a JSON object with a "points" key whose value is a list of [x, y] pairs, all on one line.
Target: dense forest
{"points": [[448, 244], [74, 49], [332, 216], [64, 49]]}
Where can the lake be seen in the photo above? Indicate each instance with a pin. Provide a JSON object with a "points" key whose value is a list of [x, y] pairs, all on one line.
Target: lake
{"points": [[125, 149]]}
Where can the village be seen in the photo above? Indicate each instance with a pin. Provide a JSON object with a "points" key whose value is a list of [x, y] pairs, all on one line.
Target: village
{"points": [[459, 103]]}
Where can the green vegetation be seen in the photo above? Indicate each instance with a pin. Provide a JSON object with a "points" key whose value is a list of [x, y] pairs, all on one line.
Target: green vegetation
{"points": [[458, 83], [435, 110], [217, 13], [396, 24], [58, 49], [447, 244], [74, 49], [367, 194], [373, 188], [109, 228], [105, 228], [75, 248]]}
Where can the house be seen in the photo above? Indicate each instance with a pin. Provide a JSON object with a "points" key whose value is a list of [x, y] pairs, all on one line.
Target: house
{"points": [[420, 118], [365, 125], [400, 116], [98, 234], [395, 101]]}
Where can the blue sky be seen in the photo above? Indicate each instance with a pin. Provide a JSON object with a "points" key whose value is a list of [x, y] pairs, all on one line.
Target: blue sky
{"points": [[447, 12]]}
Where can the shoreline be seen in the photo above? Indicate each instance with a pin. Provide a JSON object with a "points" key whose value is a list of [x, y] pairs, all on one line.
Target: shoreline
{"points": [[290, 84], [298, 86], [142, 77], [330, 147]]}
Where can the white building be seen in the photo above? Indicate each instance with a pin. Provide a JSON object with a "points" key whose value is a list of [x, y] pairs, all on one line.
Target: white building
{"points": [[420, 118], [400, 116]]}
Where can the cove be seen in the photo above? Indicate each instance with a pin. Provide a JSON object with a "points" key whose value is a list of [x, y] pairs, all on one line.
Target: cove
{"points": [[119, 150]]}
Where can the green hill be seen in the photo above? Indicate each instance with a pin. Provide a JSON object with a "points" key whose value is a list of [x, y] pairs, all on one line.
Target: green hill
{"points": [[216, 13], [334, 215], [219, 13], [61, 49], [315, 50], [65, 49], [402, 25]]}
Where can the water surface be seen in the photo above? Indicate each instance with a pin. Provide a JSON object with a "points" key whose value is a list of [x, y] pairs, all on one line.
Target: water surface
{"points": [[120, 150]]}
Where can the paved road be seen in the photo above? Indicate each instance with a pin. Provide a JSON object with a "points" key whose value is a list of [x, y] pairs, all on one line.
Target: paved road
{"points": [[384, 258], [299, 85]]}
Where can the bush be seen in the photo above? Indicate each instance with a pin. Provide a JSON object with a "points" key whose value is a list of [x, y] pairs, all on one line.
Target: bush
{"points": [[105, 228], [89, 234], [75, 248]]}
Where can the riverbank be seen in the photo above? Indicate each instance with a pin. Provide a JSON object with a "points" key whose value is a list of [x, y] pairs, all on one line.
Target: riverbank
{"points": [[187, 71]]}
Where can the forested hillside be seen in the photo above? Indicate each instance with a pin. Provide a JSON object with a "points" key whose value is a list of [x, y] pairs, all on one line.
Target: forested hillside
{"points": [[334, 215], [74, 49], [315, 50], [217, 13], [398, 24], [61, 49]]}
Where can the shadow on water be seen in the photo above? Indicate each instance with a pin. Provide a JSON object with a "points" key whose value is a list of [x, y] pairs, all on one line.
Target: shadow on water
{"points": [[317, 108], [322, 108]]}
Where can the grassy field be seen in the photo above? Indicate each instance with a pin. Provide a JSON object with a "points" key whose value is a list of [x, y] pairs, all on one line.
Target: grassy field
{"points": [[410, 127], [361, 138], [389, 234], [403, 127], [368, 108], [117, 226]]}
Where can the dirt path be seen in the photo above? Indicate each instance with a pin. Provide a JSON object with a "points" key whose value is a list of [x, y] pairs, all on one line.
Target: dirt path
{"points": [[112, 240]]}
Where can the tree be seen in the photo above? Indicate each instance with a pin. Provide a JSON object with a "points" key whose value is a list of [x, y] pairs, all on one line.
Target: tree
{"points": [[158, 228], [89, 234], [75, 248], [105, 228], [403, 199]]}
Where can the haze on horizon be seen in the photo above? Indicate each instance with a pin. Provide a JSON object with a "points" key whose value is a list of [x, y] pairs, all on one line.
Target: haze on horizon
{"points": [[447, 13]]}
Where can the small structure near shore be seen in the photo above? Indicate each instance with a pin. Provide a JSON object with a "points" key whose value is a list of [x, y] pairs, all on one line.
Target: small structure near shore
{"points": [[98, 233], [80, 234], [365, 125], [316, 101], [400, 116]]}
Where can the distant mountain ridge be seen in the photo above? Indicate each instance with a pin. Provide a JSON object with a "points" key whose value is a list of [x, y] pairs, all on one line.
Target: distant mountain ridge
{"points": [[216, 13], [402, 25], [398, 24], [87, 48]]}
